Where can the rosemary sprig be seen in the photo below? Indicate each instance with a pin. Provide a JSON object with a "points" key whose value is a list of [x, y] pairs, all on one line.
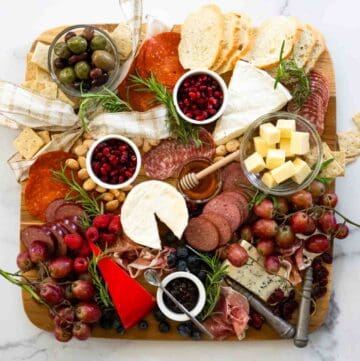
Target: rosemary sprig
{"points": [[181, 129], [290, 74], [78, 194], [103, 293], [106, 99]]}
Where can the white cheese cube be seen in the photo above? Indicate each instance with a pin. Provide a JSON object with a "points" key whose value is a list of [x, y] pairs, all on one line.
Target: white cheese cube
{"points": [[284, 172], [286, 126], [270, 133], [275, 158], [254, 163], [300, 143], [302, 170], [261, 146], [269, 180], [285, 145]]}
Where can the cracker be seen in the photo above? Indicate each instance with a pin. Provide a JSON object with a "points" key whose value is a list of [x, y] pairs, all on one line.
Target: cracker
{"points": [[30, 68], [64, 98], [42, 75], [45, 88], [121, 37], [44, 135], [356, 119], [48, 36], [40, 55], [349, 142], [334, 169], [28, 143]]}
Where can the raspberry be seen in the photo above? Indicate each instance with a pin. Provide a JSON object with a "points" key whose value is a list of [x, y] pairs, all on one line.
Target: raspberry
{"points": [[92, 234], [102, 221], [74, 241], [115, 225], [85, 250], [108, 239]]}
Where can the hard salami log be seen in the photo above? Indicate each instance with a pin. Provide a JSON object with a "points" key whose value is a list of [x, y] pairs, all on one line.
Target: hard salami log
{"points": [[59, 234], [202, 234], [37, 233], [51, 209], [69, 210]]}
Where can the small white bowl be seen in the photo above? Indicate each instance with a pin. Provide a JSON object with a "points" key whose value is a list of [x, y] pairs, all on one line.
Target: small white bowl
{"points": [[99, 181], [181, 317], [223, 87]]}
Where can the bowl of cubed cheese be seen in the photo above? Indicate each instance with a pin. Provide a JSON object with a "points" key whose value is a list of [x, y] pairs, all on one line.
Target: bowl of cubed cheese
{"points": [[281, 153]]}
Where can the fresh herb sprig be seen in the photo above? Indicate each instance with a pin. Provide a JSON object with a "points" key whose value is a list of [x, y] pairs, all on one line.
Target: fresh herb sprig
{"points": [[181, 129], [290, 74], [91, 205], [106, 99], [325, 180]]}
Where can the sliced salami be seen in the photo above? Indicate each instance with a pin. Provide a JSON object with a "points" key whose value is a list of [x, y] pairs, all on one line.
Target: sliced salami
{"points": [[233, 177], [202, 234], [51, 209], [221, 224], [69, 226], [69, 210], [37, 233], [59, 234], [241, 202], [227, 208]]}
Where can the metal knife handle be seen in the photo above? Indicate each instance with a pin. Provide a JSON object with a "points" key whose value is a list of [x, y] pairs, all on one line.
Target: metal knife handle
{"points": [[302, 330], [282, 327]]}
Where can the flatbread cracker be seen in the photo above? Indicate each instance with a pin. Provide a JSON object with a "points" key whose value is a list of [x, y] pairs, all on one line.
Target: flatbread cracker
{"points": [[30, 68], [47, 89], [63, 97], [40, 55], [28, 143], [48, 36], [41, 75], [44, 135], [121, 36], [349, 142], [356, 119]]}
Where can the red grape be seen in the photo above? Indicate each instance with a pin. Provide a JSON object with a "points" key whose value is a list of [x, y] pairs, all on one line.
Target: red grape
{"points": [[83, 290], [272, 264], [38, 251], [60, 267], [246, 233], [85, 250], [317, 189], [64, 317], [85, 276], [23, 261], [282, 205], [88, 312], [265, 209], [285, 237], [82, 331], [329, 200], [327, 222], [265, 247], [265, 228], [237, 255], [318, 243], [73, 241], [302, 199], [301, 222], [341, 231], [62, 335], [81, 265], [51, 292]]}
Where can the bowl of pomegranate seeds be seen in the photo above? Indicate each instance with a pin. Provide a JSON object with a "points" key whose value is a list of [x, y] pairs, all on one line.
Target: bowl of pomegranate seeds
{"points": [[113, 162], [200, 96]]}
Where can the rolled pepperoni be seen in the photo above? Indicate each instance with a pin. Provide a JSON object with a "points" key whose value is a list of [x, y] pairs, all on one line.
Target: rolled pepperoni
{"points": [[202, 235]]}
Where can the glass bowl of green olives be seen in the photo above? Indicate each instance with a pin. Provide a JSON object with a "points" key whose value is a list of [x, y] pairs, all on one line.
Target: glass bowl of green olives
{"points": [[83, 58]]}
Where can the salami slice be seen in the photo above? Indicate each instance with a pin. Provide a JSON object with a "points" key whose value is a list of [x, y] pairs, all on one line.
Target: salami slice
{"points": [[69, 226], [227, 208], [59, 234], [202, 234], [69, 210], [51, 209], [233, 177], [221, 224], [241, 201], [37, 233]]}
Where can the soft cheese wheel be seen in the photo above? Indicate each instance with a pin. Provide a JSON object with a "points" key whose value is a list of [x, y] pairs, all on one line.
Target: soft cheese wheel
{"points": [[147, 200]]}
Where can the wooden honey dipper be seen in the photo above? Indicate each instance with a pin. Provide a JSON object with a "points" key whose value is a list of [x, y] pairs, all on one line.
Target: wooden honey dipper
{"points": [[191, 180]]}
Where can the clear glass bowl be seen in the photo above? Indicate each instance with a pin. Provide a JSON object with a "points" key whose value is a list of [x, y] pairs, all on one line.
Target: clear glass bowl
{"points": [[247, 148], [114, 75]]}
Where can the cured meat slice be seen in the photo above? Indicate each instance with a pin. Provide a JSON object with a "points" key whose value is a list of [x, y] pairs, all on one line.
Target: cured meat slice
{"points": [[51, 209], [202, 234], [319, 84], [69, 210], [227, 208], [37, 233], [166, 159], [233, 177], [241, 201], [69, 226], [59, 234], [221, 224]]}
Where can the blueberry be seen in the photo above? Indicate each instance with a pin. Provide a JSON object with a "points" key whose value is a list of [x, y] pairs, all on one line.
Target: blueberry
{"points": [[171, 260], [159, 316], [184, 329], [202, 275], [182, 252], [143, 325], [194, 269], [196, 335], [193, 261], [164, 327], [181, 266]]}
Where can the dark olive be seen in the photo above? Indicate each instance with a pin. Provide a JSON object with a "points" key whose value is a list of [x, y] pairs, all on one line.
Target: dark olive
{"points": [[88, 33], [60, 63], [77, 44], [62, 51], [69, 35], [84, 85], [82, 70], [98, 42], [67, 75], [75, 58], [103, 59], [101, 80], [95, 73]]}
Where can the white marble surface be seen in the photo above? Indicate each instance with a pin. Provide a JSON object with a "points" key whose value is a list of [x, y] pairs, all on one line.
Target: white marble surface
{"points": [[20, 22]]}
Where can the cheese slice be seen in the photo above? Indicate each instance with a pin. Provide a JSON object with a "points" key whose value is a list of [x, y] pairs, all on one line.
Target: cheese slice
{"points": [[286, 126], [269, 180], [285, 145], [254, 163], [270, 133], [275, 158], [261, 146], [284, 172], [251, 95], [300, 143], [302, 170], [144, 203]]}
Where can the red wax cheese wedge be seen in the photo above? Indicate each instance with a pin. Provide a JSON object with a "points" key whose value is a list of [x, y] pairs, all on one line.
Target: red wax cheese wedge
{"points": [[132, 302]]}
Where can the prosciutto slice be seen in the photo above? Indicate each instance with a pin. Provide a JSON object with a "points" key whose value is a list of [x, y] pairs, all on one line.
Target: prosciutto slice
{"points": [[231, 315]]}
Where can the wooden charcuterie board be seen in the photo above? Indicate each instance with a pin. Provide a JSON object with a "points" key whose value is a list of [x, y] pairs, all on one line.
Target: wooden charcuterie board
{"points": [[38, 315]]}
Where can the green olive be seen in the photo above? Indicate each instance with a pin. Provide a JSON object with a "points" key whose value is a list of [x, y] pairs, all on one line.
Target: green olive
{"points": [[98, 42], [77, 44], [62, 51], [67, 75], [82, 70], [103, 60]]}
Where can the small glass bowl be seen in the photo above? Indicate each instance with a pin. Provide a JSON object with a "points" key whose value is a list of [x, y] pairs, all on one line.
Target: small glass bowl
{"points": [[247, 148], [114, 75]]}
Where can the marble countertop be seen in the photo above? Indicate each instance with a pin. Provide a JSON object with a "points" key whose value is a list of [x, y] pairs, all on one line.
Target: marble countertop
{"points": [[20, 22]]}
